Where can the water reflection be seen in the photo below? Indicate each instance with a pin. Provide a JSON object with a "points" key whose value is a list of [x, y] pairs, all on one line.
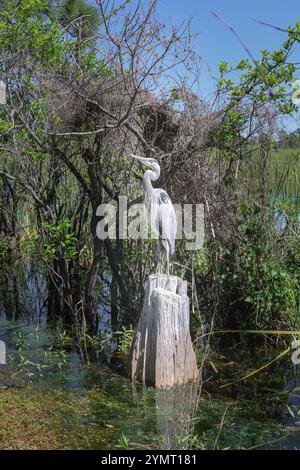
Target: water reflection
{"points": [[259, 412]]}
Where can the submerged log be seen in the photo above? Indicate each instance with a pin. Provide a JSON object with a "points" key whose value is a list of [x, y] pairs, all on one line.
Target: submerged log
{"points": [[162, 353]]}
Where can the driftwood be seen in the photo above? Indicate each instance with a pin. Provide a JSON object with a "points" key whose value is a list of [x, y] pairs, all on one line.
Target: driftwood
{"points": [[162, 353]]}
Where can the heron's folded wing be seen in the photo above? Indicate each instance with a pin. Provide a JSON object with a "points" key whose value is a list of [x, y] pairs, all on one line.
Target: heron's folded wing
{"points": [[167, 224]]}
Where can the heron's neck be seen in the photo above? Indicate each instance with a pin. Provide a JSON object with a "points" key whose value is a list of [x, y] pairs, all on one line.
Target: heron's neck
{"points": [[149, 176]]}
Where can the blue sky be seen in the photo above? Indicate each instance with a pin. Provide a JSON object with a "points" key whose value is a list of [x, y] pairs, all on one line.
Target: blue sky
{"points": [[216, 43]]}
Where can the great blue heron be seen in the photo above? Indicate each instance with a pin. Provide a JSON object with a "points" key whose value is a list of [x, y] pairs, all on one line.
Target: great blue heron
{"points": [[160, 214]]}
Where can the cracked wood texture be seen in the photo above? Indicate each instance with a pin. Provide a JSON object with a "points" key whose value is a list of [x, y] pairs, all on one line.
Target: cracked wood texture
{"points": [[162, 353]]}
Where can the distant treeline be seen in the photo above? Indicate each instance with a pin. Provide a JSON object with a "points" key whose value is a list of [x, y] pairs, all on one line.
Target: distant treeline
{"points": [[288, 139]]}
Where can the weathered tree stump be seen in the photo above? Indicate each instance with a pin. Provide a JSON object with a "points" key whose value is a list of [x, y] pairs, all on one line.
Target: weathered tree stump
{"points": [[162, 353]]}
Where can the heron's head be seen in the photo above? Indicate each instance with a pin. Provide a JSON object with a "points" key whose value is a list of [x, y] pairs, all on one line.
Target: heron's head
{"points": [[150, 162]]}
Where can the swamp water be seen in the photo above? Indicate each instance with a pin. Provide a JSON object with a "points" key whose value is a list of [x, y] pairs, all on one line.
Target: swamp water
{"points": [[51, 398]]}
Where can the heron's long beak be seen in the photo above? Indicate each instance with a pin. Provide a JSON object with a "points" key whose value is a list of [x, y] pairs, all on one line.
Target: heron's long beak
{"points": [[141, 159]]}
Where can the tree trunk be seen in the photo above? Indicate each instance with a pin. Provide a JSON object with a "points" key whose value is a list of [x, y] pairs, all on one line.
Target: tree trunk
{"points": [[162, 354], [92, 276], [114, 304]]}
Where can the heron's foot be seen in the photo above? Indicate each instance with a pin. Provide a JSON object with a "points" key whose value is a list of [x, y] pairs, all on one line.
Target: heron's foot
{"points": [[162, 272], [159, 272]]}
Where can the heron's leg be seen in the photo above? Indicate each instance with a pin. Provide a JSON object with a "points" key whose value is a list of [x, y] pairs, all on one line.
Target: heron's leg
{"points": [[159, 264], [167, 261], [168, 268], [157, 260], [158, 267]]}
